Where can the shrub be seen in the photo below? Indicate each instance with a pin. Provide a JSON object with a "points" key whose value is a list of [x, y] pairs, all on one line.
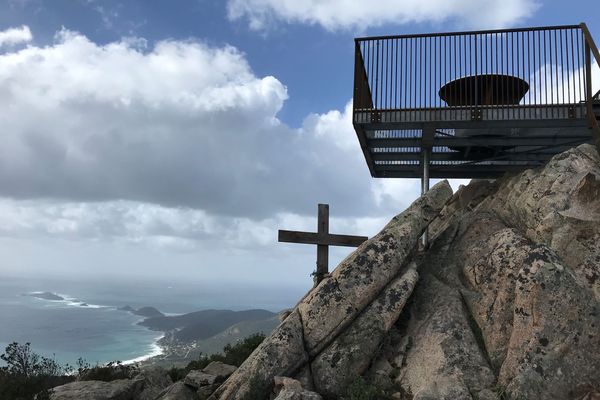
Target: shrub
{"points": [[27, 373], [361, 390], [232, 354], [110, 372]]}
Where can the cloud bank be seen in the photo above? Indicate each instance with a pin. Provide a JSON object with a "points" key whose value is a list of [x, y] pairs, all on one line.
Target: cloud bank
{"points": [[181, 124], [362, 14]]}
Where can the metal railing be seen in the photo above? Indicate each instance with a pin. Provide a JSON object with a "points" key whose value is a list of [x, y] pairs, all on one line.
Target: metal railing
{"points": [[531, 69]]}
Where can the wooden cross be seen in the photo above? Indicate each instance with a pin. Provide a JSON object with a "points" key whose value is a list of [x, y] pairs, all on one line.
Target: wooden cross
{"points": [[323, 239]]}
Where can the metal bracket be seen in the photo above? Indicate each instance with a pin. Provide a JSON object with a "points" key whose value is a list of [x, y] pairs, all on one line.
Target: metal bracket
{"points": [[375, 116], [476, 115], [571, 112]]}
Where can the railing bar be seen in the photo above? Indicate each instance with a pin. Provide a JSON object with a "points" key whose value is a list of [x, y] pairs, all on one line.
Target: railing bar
{"points": [[438, 98], [556, 69], [497, 71], [572, 68], [464, 51], [431, 64], [579, 68], [512, 63], [396, 80], [445, 72], [523, 70], [404, 72], [459, 33], [529, 70], [370, 77], [546, 90], [455, 57], [410, 78], [505, 83], [562, 67], [388, 74]]}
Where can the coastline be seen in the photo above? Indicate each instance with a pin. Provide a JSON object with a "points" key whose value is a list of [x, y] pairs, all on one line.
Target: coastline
{"points": [[157, 350]]}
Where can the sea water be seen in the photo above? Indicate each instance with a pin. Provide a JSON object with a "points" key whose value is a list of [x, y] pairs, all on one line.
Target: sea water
{"points": [[88, 323]]}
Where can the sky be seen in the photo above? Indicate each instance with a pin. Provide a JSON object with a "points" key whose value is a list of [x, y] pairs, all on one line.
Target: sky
{"points": [[170, 140]]}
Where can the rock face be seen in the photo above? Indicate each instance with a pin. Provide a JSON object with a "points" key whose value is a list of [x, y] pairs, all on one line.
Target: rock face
{"points": [[503, 304], [123, 389], [336, 303]]}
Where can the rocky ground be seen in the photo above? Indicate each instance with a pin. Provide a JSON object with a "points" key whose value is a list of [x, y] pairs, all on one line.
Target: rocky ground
{"points": [[504, 304]]}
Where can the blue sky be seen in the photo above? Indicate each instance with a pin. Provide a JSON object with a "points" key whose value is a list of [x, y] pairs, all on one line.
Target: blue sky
{"points": [[147, 136]]}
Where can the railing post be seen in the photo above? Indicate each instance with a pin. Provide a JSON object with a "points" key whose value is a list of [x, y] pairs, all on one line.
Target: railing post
{"points": [[589, 47]]}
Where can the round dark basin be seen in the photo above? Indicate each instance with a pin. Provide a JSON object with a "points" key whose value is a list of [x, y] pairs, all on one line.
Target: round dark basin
{"points": [[486, 89]]}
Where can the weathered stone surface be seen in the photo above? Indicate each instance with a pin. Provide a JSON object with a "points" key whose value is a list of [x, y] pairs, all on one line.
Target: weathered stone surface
{"points": [[219, 370], [443, 360], [198, 379], [291, 389], [204, 392], [356, 282], [282, 353], [350, 354], [559, 206], [123, 389], [538, 322], [155, 380], [178, 391]]}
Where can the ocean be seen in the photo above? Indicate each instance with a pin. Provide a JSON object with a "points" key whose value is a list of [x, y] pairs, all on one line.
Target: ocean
{"points": [[88, 324]]}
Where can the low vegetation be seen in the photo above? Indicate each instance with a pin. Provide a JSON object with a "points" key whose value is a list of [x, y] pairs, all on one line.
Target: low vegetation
{"points": [[232, 354], [27, 374]]}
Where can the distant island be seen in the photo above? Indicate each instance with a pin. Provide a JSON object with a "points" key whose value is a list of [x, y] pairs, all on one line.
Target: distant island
{"points": [[45, 296]]}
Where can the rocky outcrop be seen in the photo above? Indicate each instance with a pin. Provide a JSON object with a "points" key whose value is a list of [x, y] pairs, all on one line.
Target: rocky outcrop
{"points": [[503, 304], [291, 389], [337, 302], [122, 389]]}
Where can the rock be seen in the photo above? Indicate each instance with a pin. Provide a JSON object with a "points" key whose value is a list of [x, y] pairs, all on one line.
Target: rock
{"points": [[178, 391], [284, 314], [350, 354], [356, 282], [291, 389], [559, 206], [444, 360], [198, 379], [204, 392], [123, 389], [330, 307], [155, 380], [220, 370]]}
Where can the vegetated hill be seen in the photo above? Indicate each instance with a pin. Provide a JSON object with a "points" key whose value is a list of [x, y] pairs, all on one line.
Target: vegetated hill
{"points": [[203, 324], [148, 312], [235, 333]]}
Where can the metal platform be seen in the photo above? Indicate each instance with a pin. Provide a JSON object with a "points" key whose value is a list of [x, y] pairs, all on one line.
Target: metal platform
{"points": [[473, 104]]}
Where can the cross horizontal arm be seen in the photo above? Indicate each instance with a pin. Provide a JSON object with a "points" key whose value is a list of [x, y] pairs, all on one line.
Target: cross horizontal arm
{"points": [[316, 238]]}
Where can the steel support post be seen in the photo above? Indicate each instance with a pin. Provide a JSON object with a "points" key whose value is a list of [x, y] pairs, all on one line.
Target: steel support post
{"points": [[425, 189]]}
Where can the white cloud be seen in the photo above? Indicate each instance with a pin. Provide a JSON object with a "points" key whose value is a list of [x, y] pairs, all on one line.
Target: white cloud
{"points": [[172, 144], [14, 36], [362, 14]]}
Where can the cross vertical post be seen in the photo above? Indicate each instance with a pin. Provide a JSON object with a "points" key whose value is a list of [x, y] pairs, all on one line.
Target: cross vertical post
{"points": [[322, 249], [323, 239]]}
